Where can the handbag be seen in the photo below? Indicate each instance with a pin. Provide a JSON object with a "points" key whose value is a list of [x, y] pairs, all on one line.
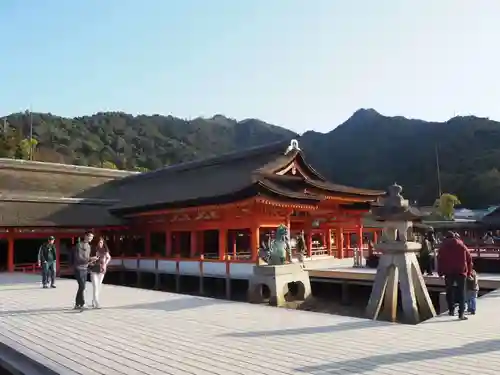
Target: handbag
{"points": [[95, 266]]}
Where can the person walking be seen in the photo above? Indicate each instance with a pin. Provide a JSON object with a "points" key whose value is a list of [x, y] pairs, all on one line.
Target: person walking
{"points": [[47, 260], [455, 265], [425, 257], [472, 292], [81, 261], [98, 270]]}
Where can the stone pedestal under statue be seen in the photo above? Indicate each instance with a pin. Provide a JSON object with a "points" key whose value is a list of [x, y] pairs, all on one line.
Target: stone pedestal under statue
{"points": [[277, 279], [398, 267]]}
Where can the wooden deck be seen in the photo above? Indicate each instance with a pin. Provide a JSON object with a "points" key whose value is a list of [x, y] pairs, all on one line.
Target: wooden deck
{"points": [[148, 332]]}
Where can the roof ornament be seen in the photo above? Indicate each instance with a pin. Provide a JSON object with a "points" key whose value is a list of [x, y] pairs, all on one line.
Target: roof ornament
{"points": [[294, 145]]}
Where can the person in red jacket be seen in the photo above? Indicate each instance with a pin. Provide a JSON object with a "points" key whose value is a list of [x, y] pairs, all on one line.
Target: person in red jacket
{"points": [[455, 264]]}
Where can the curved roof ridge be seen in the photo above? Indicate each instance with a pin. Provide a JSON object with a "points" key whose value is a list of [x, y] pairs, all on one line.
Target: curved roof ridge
{"points": [[211, 161]]}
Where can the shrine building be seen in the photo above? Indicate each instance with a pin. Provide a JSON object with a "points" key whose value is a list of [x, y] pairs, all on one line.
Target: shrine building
{"points": [[218, 209]]}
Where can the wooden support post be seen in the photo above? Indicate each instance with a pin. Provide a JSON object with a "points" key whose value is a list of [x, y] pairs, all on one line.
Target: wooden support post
{"points": [[10, 254], [228, 280], [222, 243], [309, 243], [340, 242], [57, 244], [138, 271], [157, 276], [345, 297], [348, 243], [329, 241], [177, 273], [359, 228], [202, 276], [255, 242], [168, 243], [147, 243], [194, 243]]}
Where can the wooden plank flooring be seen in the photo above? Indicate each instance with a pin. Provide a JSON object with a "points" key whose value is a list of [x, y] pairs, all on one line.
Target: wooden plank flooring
{"points": [[147, 332]]}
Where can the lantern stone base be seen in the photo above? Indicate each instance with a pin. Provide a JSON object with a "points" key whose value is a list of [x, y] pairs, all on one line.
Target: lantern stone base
{"points": [[399, 269], [278, 279]]}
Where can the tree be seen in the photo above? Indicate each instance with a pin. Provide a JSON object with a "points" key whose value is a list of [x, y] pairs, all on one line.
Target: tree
{"points": [[445, 205], [26, 147], [109, 165]]}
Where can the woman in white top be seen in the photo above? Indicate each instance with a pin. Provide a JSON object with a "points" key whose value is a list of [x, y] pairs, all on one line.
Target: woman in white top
{"points": [[98, 270]]}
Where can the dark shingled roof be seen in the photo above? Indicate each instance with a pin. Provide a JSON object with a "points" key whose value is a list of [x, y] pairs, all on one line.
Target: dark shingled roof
{"points": [[50, 214], [227, 178], [47, 194], [43, 194]]}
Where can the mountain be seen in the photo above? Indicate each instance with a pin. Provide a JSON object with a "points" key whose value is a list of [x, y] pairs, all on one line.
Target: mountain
{"points": [[368, 150], [373, 151]]}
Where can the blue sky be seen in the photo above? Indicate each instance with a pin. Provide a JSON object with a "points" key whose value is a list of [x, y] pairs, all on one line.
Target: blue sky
{"points": [[297, 63]]}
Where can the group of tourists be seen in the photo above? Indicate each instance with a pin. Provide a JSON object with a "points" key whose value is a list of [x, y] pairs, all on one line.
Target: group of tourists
{"points": [[84, 259]]}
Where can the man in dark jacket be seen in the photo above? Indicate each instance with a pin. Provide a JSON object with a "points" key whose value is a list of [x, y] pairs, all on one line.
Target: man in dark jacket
{"points": [[81, 260], [455, 264], [47, 260]]}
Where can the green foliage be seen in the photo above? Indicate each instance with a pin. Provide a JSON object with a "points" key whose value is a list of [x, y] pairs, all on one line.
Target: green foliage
{"points": [[445, 206], [108, 165], [141, 143], [25, 147]]}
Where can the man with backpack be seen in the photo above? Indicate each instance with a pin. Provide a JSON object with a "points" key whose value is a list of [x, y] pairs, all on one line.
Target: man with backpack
{"points": [[47, 260]]}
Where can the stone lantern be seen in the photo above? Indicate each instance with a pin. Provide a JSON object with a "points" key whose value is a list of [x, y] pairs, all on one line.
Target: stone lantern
{"points": [[398, 264]]}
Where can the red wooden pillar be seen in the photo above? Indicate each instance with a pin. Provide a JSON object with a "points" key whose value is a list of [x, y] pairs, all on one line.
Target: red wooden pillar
{"points": [[10, 254], [329, 241], [194, 243], [309, 241], [168, 243], [147, 243], [255, 242], [222, 243], [340, 242], [360, 238], [57, 244], [375, 236], [360, 235]]}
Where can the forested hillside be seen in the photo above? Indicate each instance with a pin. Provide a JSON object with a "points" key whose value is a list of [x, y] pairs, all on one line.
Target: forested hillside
{"points": [[368, 150], [130, 142]]}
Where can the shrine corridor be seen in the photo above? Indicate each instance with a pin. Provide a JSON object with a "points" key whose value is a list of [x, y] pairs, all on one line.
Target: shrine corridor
{"points": [[141, 331]]}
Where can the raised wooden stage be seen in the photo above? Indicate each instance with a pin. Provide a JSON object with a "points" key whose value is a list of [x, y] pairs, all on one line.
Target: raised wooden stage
{"points": [[147, 332], [343, 271]]}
